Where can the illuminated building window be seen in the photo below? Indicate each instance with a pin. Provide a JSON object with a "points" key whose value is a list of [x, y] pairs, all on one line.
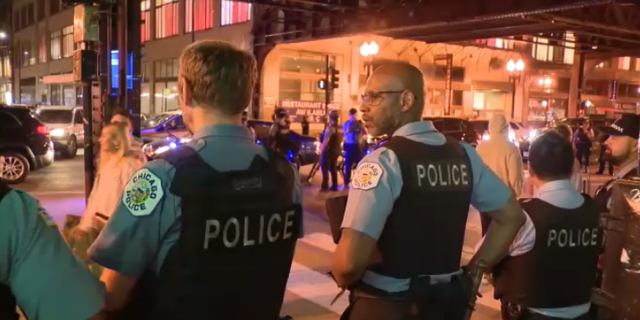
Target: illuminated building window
{"points": [[624, 63], [201, 18], [42, 53], [166, 18], [56, 52], [541, 50], [145, 16], [67, 42], [569, 52], [234, 12]]}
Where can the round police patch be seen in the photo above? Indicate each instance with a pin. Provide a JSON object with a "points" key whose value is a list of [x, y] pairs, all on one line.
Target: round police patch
{"points": [[367, 176], [143, 193]]}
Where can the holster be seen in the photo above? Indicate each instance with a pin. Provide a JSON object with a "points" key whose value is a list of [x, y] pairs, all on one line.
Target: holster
{"points": [[444, 300], [511, 311]]}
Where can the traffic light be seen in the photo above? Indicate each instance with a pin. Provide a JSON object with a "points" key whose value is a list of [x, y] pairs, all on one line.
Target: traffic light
{"points": [[322, 84], [335, 79]]}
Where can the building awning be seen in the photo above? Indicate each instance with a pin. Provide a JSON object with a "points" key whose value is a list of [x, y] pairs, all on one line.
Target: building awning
{"points": [[58, 78]]}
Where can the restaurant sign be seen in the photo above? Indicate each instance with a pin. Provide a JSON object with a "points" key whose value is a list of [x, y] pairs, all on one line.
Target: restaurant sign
{"points": [[314, 110]]}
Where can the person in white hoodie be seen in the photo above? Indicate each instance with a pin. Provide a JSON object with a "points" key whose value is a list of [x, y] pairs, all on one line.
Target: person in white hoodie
{"points": [[502, 157]]}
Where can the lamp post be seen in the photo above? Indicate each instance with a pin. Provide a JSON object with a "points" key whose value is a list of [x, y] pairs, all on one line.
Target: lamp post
{"points": [[515, 72], [368, 50]]}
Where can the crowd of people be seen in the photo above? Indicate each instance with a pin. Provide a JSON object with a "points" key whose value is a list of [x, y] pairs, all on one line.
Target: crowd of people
{"points": [[209, 230]]}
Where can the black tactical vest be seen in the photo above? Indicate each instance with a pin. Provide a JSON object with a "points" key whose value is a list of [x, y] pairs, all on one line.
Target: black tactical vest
{"points": [[424, 233], [560, 271], [236, 246], [7, 299]]}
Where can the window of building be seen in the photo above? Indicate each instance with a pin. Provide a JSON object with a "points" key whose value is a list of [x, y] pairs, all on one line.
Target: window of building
{"points": [[166, 96], [24, 17], [234, 12], [457, 98], [69, 95], [201, 18], [54, 6], [542, 50], [166, 18], [637, 65], [42, 51], [604, 64], [56, 46], [6, 66], [436, 97], [628, 90], [26, 51], [166, 69], [569, 52], [597, 87], [496, 43], [624, 63], [40, 10], [67, 41], [30, 13], [299, 76], [79, 118], [145, 99], [56, 94], [145, 25]]}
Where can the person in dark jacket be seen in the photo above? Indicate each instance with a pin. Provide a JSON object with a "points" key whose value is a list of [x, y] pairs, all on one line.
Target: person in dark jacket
{"points": [[305, 126], [602, 159], [330, 152]]}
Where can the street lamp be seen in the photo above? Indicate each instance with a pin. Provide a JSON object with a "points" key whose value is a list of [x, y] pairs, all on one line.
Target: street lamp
{"points": [[368, 50], [515, 72]]}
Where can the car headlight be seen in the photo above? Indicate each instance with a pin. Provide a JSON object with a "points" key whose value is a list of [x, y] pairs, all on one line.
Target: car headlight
{"points": [[57, 132]]}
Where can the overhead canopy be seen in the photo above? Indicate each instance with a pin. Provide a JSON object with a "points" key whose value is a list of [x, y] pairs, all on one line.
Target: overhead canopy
{"points": [[601, 27]]}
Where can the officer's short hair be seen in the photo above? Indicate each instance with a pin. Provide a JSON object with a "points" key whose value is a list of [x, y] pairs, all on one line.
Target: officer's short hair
{"points": [[219, 75], [411, 77], [551, 157]]}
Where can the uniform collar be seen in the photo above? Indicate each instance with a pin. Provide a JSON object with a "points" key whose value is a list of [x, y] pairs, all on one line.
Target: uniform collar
{"points": [[223, 131], [564, 184], [413, 128], [626, 168]]}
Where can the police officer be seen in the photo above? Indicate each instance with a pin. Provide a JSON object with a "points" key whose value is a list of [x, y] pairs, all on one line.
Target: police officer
{"points": [[352, 131], [38, 272], [330, 152], [279, 131], [551, 267], [209, 231], [622, 152], [409, 201]]}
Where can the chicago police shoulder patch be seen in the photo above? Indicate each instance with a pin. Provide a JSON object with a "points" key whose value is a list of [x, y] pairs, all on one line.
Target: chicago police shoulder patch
{"points": [[143, 193], [367, 176], [46, 217]]}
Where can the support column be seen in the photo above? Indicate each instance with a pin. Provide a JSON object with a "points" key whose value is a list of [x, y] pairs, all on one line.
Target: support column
{"points": [[575, 86]]}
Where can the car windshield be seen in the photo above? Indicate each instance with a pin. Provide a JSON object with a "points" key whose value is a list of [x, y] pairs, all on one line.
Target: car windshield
{"points": [[155, 120], [55, 116]]}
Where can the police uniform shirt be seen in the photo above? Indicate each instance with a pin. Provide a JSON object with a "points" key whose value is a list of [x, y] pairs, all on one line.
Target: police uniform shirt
{"points": [[352, 131], [49, 283], [138, 237], [560, 193], [624, 171], [370, 203]]}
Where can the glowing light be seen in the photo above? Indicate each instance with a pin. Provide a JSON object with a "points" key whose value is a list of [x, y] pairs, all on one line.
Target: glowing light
{"points": [[547, 81], [369, 49], [545, 103], [588, 103], [3, 35], [172, 145], [511, 66], [520, 65]]}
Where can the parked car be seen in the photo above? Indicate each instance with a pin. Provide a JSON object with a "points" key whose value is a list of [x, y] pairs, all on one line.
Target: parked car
{"points": [[162, 126], [67, 128], [172, 133], [25, 143], [456, 128]]}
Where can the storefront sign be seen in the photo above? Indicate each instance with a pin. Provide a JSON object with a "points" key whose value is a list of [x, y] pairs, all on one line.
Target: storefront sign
{"points": [[314, 110]]}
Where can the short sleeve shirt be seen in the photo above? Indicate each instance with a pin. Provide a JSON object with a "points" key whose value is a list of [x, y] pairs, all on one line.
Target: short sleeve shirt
{"points": [[367, 210], [138, 239], [49, 283]]}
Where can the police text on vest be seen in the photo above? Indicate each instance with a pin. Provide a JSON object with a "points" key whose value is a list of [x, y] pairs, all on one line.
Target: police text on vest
{"points": [[271, 228], [563, 238], [442, 175]]}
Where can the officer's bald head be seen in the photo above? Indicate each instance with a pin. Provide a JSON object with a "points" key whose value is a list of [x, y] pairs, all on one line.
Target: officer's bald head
{"points": [[394, 96]]}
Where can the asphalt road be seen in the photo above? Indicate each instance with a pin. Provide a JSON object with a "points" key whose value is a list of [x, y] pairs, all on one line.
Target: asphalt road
{"points": [[310, 290]]}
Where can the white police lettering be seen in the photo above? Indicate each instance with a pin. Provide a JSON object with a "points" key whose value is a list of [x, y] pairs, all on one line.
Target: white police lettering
{"points": [[143, 193], [367, 176], [443, 174], [276, 227], [569, 238]]}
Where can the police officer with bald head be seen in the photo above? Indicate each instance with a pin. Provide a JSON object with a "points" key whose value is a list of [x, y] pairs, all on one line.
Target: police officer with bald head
{"points": [[208, 231], [405, 219]]}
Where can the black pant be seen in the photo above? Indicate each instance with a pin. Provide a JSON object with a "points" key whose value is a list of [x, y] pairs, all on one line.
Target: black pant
{"points": [[603, 160], [352, 155], [329, 164], [525, 314], [583, 154]]}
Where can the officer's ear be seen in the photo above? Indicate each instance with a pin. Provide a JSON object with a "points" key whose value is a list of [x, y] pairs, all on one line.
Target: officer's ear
{"points": [[407, 100], [187, 93]]}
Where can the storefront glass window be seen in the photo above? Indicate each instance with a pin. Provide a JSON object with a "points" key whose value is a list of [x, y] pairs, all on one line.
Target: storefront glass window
{"points": [[69, 95], [166, 96], [299, 76], [145, 99], [56, 95]]}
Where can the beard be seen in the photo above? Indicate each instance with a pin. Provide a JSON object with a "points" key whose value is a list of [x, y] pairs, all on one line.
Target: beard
{"points": [[617, 159]]}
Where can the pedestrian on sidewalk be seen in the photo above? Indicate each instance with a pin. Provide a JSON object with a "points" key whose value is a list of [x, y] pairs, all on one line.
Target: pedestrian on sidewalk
{"points": [[208, 230], [116, 164], [135, 144], [502, 157], [582, 142], [602, 159], [38, 272], [330, 152]]}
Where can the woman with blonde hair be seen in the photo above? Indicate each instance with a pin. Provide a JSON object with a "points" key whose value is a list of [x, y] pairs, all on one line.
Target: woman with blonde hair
{"points": [[116, 164]]}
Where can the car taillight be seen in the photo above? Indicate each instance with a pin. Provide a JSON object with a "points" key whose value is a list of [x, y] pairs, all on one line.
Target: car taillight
{"points": [[43, 130]]}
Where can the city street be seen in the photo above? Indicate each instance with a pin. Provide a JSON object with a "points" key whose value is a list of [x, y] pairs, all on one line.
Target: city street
{"points": [[310, 290]]}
